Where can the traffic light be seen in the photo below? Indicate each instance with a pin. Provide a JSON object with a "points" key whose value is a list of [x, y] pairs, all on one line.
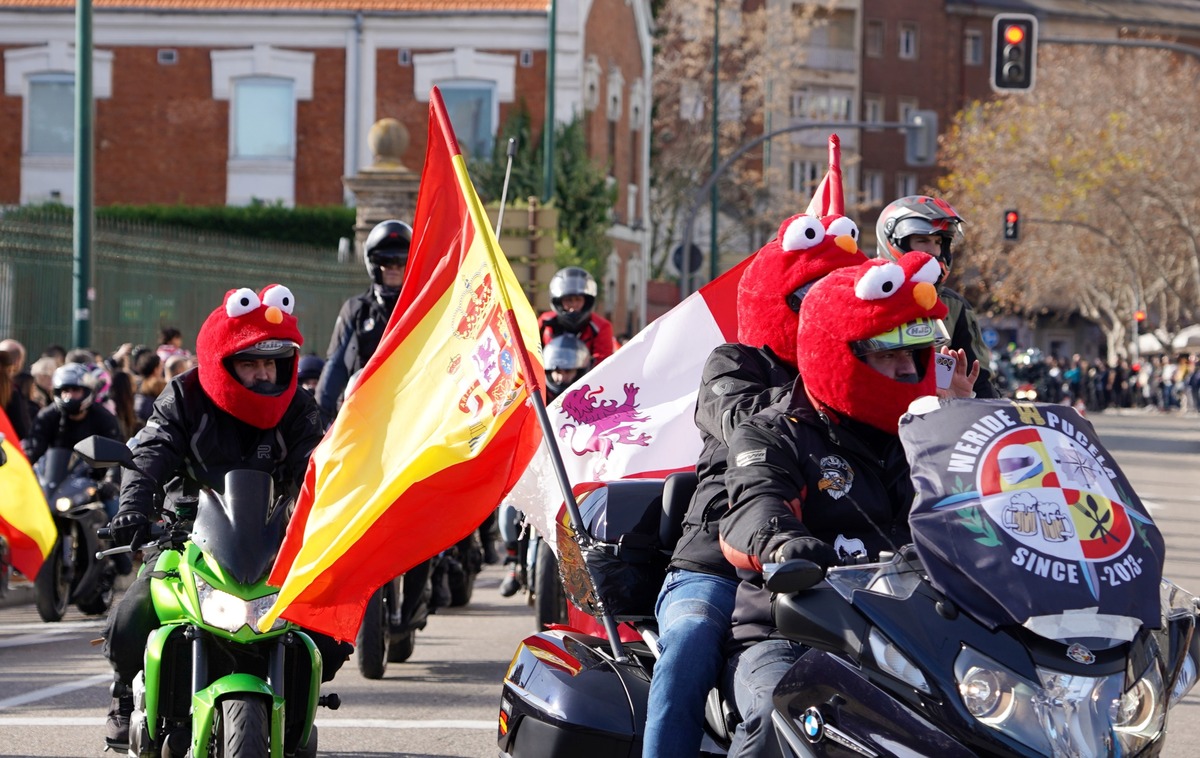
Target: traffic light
{"points": [[1139, 317], [1014, 52], [1012, 226]]}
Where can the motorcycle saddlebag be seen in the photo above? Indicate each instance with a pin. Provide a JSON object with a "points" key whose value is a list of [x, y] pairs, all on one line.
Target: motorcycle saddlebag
{"points": [[562, 698]]}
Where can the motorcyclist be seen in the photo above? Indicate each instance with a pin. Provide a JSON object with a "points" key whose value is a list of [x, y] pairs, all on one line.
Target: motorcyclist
{"points": [[74, 415], [738, 380], [238, 410], [356, 335], [930, 225], [566, 358], [821, 474], [573, 297], [362, 319], [310, 373]]}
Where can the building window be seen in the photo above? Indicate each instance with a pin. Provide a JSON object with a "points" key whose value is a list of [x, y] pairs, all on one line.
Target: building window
{"points": [[872, 190], [264, 118], [804, 176], [906, 184], [731, 102], [973, 47], [823, 104], [874, 39], [168, 56], [691, 102], [908, 40], [51, 111], [473, 112], [905, 106], [873, 109]]}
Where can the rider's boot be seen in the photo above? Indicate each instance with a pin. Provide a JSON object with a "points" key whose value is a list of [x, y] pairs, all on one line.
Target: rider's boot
{"points": [[512, 580], [116, 734]]}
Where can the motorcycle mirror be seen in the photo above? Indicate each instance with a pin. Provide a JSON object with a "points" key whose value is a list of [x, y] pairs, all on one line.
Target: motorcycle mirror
{"points": [[792, 576], [104, 452]]}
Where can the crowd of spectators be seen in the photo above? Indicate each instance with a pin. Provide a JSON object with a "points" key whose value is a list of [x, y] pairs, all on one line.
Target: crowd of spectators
{"points": [[127, 380], [1162, 382]]}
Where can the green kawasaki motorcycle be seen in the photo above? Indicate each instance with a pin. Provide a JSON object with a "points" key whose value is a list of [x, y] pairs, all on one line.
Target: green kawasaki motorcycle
{"points": [[212, 683]]}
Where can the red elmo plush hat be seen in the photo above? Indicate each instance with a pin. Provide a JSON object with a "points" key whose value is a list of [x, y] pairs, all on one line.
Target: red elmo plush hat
{"points": [[892, 302], [259, 324], [808, 246]]}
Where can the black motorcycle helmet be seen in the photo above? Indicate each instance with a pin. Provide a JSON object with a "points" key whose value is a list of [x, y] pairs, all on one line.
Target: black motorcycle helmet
{"points": [[572, 280], [310, 367], [71, 376], [387, 243]]}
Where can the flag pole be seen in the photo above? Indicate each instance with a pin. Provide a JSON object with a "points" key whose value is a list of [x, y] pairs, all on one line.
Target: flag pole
{"points": [[547, 429], [512, 150]]}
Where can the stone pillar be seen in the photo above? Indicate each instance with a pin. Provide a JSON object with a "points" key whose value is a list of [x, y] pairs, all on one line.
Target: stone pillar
{"points": [[387, 188]]}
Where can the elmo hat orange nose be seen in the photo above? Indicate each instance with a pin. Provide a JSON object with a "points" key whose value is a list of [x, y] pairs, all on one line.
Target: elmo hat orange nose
{"points": [[891, 305], [250, 325], [808, 246]]}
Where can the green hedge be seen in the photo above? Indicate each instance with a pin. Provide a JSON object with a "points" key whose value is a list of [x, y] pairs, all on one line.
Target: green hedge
{"points": [[322, 226]]}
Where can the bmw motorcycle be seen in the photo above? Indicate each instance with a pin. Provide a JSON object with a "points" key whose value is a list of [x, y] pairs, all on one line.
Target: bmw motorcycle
{"points": [[1027, 617], [71, 572], [212, 683]]}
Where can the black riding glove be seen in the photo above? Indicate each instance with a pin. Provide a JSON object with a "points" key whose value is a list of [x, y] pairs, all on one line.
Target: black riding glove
{"points": [[807, 548], [129, 527]]}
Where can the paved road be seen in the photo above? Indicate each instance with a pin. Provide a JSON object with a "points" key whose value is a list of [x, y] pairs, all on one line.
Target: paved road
{"points": [[444, 701]]}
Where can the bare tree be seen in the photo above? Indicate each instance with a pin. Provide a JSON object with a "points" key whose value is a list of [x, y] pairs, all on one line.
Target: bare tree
{"points": [[761, 45], [1102, 161]]}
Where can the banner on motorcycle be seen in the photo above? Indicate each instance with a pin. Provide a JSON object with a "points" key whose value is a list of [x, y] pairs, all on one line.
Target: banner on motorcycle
{"points": [[25, 521], [633, 416], [439, 426], [1022, 517]]}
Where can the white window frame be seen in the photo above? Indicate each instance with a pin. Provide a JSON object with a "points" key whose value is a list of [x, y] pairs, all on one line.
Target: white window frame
{"points": [[872, 188], [909, 39], [874, 36], [46, 177], [973, 47], [235, 150], [905, 106], [691, 101], [873, 108], [467, 65], [804, 175], [906, 183], [493, 106], [248, 179]]}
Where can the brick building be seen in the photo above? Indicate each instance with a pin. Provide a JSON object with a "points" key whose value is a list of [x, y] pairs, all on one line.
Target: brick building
{"points": [[210, 102]]}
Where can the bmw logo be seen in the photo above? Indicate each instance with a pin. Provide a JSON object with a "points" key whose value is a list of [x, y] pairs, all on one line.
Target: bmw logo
{"points": [[814, 725]]}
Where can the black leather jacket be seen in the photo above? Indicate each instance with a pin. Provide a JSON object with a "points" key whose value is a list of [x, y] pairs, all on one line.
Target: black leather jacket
{"points": [[190, 443], [356, 336]]}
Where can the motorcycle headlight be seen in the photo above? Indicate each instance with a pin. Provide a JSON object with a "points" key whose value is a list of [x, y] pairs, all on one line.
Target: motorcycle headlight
{"points": [[225, 611], [63, 504], [1063, 714]]}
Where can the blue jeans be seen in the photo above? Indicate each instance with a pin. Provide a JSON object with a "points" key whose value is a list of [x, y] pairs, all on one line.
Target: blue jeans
{"points": [[754, 673], [693, 613]]}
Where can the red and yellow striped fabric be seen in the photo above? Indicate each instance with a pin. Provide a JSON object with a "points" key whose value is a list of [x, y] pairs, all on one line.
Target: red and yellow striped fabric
{"points": [[24, 516]]}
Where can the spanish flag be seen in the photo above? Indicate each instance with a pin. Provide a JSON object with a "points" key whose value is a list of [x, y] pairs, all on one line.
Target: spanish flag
{"points": [[25, 521], [440, 424]]}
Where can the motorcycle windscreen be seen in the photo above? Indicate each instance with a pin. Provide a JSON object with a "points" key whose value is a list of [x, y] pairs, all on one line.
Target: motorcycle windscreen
{"points": [[1022, 517], [243, 528], [52, 469]]}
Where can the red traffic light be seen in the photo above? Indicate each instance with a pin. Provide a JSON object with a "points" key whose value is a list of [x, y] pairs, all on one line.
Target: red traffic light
{"points": [[1011, 217], [1014, 34], [1139, 316]]}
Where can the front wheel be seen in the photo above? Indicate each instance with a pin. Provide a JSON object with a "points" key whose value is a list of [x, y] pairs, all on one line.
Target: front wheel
{"points": [[373, 639], [462, 577], [244, 728], [53, 582]]}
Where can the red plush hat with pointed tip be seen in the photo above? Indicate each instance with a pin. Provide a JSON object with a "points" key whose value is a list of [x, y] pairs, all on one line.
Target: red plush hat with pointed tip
{"points": [[808, 246], [254, 325], [886, 304]]}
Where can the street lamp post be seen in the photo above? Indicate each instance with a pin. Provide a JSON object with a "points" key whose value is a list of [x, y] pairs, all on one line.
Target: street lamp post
{"points": [[81, 245]]}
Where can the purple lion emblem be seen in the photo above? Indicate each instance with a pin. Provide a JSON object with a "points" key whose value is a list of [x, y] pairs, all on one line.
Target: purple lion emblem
{"points": [[600, 425]]}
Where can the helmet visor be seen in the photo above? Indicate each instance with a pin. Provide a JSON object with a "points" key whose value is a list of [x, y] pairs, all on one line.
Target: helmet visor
{"points": [[268, 349], [949, 228], [923, 332]]}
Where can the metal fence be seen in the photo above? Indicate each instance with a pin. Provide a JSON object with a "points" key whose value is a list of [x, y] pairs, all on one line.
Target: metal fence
{"points": [[147, 277]]}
